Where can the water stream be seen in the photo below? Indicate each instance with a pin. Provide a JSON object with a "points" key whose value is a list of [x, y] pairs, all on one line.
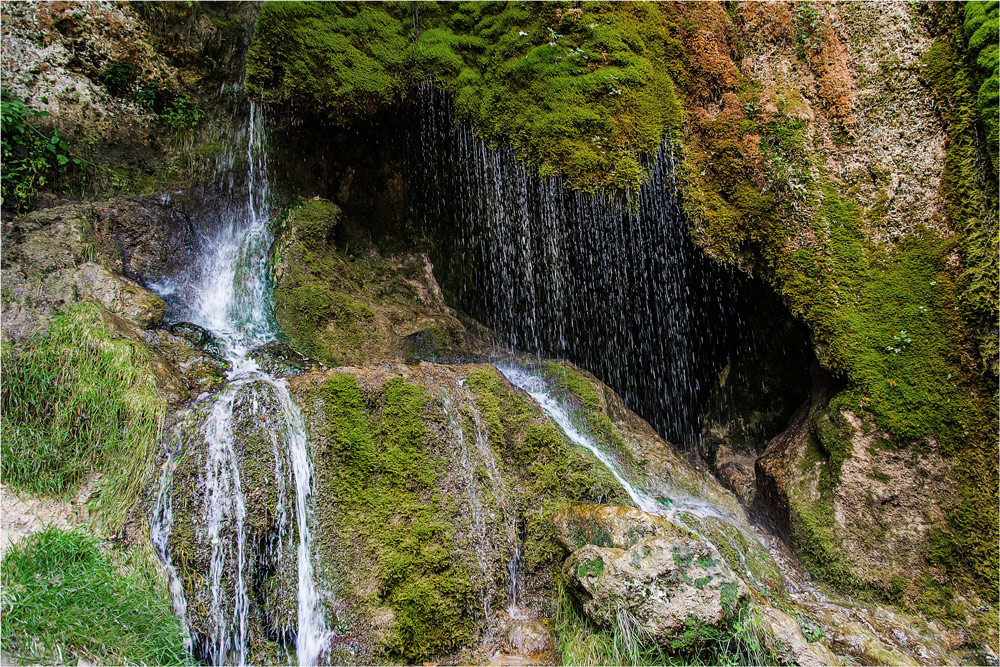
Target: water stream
{"points": [[228, 293], [611, 283], [680, 508]]}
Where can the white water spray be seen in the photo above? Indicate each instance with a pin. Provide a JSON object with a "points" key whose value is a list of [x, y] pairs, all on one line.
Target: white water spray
{"points": [[229, 294]]}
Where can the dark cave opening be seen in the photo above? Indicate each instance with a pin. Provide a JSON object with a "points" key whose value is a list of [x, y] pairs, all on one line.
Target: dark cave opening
{"points": [[616, 286]]}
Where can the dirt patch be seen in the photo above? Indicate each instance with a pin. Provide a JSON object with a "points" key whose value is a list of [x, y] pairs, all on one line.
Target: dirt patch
{"points": [[23, 514]]}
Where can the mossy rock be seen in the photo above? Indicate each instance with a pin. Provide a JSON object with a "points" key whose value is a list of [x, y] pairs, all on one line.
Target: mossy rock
{"points": [[580, 91], [358, 308]]}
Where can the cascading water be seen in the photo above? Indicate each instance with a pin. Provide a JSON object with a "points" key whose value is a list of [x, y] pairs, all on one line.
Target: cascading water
{"points": [[680, 507], [476, 457], [613, 285], [229, 294]]}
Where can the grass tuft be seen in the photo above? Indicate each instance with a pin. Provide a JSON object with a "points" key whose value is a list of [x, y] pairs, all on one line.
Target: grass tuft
{"points": [[741, 642], [78, 401], [63, 598]]}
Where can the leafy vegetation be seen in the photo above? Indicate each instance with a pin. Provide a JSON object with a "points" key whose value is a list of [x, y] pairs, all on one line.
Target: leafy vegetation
{"points": [[580, 91], [740, 642], [65, 598], [182, 114], [32, 159], [79, 401]]}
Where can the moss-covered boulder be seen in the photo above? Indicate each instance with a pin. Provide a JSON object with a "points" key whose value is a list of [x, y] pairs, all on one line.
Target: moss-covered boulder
{"points": [[431, 481], [234, 534], [860, 511], [664, 584], [357, 307], [610, 526]]}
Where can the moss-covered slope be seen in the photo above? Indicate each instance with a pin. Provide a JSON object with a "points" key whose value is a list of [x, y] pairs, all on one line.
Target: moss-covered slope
{"points": [[582, 91], [356, 305], [830, 149]]}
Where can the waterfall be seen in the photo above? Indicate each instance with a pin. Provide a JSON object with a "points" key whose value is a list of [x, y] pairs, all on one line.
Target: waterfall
{"points": [[681, 508], [612, 283], [228, 293], [556, 410], [163, 517], [476, 454]]}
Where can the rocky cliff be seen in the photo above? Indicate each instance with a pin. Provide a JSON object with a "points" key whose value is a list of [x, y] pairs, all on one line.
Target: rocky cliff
{"points": [[842, 154]]}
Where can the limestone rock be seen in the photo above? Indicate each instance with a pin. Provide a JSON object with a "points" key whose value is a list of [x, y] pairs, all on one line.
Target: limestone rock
{"points": [[123, 297], [661, 582], [580, 524], [789, 644], [739, 479]]}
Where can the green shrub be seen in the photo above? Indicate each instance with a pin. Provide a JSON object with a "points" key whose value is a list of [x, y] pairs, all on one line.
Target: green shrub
{"points": [[78, 401], [182, 114], [64, 598], [31, 159]]}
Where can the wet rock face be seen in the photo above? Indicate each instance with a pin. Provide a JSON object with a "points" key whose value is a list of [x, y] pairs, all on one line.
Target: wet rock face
{"points": [[147, 237], [578, 525], [378, 308], [233, 498], [853, 507], [94, 251], [198, 366], [662, 582], [280, 359]]}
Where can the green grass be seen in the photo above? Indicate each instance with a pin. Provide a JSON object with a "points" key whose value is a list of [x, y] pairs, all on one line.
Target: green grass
{"points": [[64, 598], [741, 642], [79, 401]]}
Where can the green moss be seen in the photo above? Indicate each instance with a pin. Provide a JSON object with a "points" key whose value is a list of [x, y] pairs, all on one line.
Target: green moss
{"points": [[378, 476], [593, 416], [833, 434], [342, 308], [980, 26], [548, 470], [593, 567], [968, 185], [81, 401], [581, 91]]}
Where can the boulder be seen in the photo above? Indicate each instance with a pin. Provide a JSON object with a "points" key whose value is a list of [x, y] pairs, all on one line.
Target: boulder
{"points": [[280, 359], [123, 297], [739, 479], [579, 524], [661, 581], [787, 643]]}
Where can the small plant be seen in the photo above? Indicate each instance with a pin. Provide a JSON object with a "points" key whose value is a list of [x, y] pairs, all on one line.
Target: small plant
{"points": [[900, 342], [146, 96], [31, 159], [808, 22], [182, 114], [63, 598], [118, 77]]}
